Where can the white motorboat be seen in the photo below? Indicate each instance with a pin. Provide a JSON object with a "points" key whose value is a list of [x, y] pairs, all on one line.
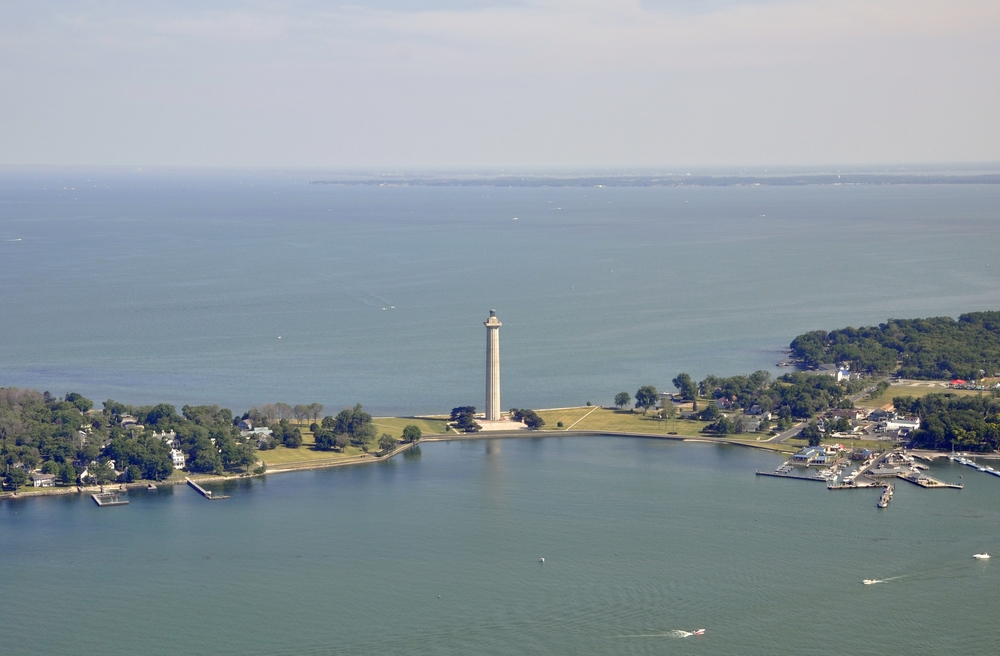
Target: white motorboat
{"points": [[982, 556]]}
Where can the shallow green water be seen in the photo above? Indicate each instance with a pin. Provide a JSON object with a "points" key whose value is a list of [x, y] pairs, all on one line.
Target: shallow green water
{"points": [[438, 553]]}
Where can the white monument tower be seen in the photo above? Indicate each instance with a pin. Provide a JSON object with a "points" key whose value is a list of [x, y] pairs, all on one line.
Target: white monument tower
{"points": [[492, 367]]}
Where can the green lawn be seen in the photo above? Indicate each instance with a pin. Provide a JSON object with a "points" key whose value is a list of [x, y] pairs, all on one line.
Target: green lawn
{"points": [[915, 389], [394, 425], [608, 419], [307, 453]]}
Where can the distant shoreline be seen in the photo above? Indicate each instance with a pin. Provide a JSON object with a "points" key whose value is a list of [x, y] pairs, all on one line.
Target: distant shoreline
{"points": [[831, 179]]}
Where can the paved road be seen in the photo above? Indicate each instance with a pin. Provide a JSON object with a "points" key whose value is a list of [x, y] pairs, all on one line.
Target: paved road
{"points": [[791, 432]]}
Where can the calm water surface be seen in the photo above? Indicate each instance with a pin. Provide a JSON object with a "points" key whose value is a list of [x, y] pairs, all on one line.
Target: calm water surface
{"points": [[438, 554], [175, 286]]}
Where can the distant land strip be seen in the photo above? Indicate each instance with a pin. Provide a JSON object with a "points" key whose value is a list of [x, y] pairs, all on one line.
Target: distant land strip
{"points": [[677, 180]]}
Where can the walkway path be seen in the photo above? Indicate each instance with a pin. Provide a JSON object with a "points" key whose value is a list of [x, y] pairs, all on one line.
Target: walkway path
{"points": [[583, 417]]}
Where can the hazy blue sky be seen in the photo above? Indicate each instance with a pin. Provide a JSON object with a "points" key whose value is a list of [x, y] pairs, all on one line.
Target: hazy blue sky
{"points": [[476, 83]]}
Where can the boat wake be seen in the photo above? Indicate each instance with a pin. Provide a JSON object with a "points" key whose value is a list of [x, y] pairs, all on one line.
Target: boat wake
{"points": [[677, 633], [891, 578]]}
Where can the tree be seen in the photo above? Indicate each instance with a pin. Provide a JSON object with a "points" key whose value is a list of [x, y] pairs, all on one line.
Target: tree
{"points": [[67, 474], [669, 409], [412, 433], [646, 397], [16, 477], [101, 473], [82, 404], [529, 417], [287, 434], [812, 433], [465, 418], [386, 443], [353, 422], [315, 410], [622, 399], [301, 412], [686, 387], [283, 410]]}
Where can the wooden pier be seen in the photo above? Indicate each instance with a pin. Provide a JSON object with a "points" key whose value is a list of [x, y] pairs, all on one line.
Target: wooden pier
{"points": [[205, 493], [794, 478]]}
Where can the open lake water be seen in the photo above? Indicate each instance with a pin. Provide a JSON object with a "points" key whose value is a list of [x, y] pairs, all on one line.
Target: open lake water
{"points": [[174, 286]]}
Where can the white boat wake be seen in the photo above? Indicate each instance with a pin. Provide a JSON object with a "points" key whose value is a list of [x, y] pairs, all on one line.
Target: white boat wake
{"points": [[677, 633]]}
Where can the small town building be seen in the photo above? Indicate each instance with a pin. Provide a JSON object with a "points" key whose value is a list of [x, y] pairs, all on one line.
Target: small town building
{"points": [[902, 424], [813, 455], [178, 457], [245, 425], [43, 480]]}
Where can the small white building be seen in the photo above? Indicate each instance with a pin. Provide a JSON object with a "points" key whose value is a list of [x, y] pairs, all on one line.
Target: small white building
{"points": [[178, 457], [902, 424], [43, 480]]}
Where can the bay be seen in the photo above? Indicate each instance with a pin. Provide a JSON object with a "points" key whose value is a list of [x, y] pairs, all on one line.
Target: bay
{"points": [[439, 553]]}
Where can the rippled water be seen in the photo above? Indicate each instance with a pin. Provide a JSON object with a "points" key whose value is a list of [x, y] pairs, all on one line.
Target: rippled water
{"points": [[174, 286], [439, 554]]}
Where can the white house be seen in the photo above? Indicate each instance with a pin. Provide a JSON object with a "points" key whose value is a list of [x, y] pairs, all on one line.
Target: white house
{"points": [[178, 457], [43, 480]]}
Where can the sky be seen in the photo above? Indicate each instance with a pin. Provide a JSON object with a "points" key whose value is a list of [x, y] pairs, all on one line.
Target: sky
{"points": [[475, 83]]}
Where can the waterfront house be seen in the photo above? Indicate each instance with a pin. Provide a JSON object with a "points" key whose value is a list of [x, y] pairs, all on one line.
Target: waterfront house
{"points": [[245, 425], [169, 438], [178, 457], [43, 480]]}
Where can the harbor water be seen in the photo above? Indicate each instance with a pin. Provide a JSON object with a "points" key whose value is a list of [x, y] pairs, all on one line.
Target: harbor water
{"points": [[438, 553]]}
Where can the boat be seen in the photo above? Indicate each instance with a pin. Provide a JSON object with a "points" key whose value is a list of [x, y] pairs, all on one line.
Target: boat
{"points": [[883, 501], [698, 632], [982, 556], [871, 581], [150, 487]]}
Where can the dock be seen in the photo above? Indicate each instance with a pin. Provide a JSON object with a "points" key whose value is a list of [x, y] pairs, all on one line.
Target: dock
{"points": [[108, 499], [205, 493], [778, 474], [925, 481]]}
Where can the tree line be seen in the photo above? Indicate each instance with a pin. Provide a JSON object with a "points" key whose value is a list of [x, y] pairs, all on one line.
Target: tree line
{"points": [[934, 348], [949, 421]]}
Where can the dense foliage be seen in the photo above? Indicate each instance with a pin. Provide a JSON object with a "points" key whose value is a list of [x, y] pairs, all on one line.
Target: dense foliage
{"points": [[800, 395], [529, 417], [936, 348], [351, 425], [965, 423], [66, 438], [464, 417]]}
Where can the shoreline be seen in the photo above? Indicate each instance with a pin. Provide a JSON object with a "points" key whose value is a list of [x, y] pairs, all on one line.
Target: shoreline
{"points": [[365, 459]]}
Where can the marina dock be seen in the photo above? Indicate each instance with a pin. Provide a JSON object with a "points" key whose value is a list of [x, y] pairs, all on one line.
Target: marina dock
{"points": [[205, 493], [108, 499], [779, 474]]}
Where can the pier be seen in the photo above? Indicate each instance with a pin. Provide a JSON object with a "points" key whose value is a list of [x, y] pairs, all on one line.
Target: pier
{"points": [[205, 493], [108, 499], [779, 474]]}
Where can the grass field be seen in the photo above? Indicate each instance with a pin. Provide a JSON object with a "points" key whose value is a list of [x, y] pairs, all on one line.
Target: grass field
{"points": [[608, 419], [307, 453], [915, 389]]}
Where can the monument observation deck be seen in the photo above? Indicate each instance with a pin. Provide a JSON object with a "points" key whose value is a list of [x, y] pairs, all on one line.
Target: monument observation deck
{"points": [[492, 367]]}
